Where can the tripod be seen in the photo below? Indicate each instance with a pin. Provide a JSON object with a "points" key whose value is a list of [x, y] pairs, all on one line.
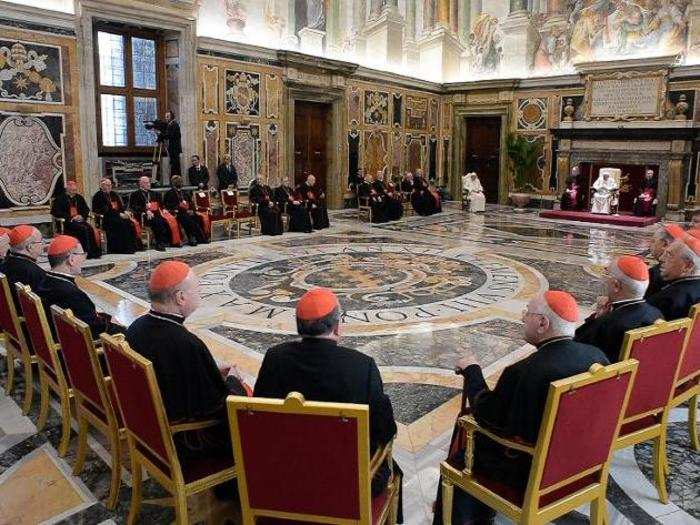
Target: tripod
{"points": [[156, 159]]}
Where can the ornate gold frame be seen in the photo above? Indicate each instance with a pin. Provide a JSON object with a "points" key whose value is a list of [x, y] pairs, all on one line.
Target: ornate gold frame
{"points": [[660, 74]]}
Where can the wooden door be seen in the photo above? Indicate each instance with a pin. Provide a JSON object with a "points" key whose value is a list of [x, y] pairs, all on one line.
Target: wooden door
{"points": [[482, 153], [311, 132]]}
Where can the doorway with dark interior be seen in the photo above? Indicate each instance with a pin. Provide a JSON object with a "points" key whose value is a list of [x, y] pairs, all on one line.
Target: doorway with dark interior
{"points": [[311, 136], [482, 152]]}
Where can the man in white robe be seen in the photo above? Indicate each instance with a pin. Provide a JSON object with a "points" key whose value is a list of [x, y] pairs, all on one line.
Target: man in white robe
{"points": [[605, 195], [473, 192]]}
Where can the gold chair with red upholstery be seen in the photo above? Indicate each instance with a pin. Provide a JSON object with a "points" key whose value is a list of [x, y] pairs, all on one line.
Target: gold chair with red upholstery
{"points": [[51, 374], [307, 462], [16, 345], [687, 387], [240, 212], [93, 393], [202, 204], [571, 459], [659, 350], [149, 434]]}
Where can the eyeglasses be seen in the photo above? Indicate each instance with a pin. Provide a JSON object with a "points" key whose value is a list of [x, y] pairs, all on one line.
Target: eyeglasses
{"points": [[526, 312]]}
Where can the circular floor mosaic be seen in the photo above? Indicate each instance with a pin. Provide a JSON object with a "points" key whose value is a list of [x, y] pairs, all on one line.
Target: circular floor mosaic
{"points": [[383, 283]]}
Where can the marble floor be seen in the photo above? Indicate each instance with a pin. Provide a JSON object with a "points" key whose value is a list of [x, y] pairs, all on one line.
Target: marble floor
{"points": [[417, 294]]}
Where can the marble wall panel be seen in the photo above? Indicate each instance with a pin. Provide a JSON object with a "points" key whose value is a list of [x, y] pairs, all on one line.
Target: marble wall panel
{"points": [[211, 144], [210, 89], [376, 152], [434, 116], [273, 101], [376, 107], [242, 93], [396, 153], [416, 152], [30, 72], [354, 99], [416, 113], [273, 155], [243, 144]]}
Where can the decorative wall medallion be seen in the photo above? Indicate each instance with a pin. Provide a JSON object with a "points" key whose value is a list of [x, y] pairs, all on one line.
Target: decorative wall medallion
{"points": [[30, 72], [210, 89], [376, 107], [532, 114], [416, 113], [211, 144], [274, 94], [31, 159], [242, 93], [376, 149], [244, 146]]}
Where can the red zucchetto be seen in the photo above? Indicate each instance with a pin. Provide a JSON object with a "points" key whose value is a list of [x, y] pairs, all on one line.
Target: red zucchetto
{"points": [[20, 233], [316, 304], [675, 231], [168, 274], [693, 244], [4, 231], [633, 267], [562, 304], [62, 244], [695, 232]]}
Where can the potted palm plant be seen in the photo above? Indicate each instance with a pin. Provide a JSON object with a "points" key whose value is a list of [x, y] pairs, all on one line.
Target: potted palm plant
{"points": [[523, 156]]}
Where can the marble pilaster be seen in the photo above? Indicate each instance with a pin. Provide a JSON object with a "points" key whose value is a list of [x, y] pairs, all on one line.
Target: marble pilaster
{"points": [[440, 50], [384, 37], [290, 40], [333, 28], [311, 41]]}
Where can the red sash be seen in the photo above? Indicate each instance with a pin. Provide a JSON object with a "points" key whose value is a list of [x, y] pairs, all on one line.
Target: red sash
{"points": [[175, 235], [137, 228], [206, 223]]}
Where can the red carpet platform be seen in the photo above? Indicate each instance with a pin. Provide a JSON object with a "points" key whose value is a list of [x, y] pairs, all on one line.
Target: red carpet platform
{"points": [[583, 216]]}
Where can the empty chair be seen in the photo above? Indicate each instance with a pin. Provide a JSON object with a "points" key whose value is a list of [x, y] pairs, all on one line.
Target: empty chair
{"points": [[150, 436], [570, 460], [240, 213], [16, 345], [202, 204], [51, 373], [307, 461], [659, 350], [93, 393]]}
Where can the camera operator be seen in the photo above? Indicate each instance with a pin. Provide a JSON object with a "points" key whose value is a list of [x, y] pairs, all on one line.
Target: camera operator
{"points": [[171, 134]]}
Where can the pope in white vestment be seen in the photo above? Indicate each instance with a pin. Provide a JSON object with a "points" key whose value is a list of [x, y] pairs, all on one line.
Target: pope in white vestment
{"points": [[605, 193], [474, 192]]}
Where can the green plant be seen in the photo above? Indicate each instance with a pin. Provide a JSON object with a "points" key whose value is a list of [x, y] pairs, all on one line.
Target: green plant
{"points": [[523, 156]]}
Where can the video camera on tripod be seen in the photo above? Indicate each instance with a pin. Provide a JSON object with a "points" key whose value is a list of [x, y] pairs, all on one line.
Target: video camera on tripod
{"points": [[157, 125]]}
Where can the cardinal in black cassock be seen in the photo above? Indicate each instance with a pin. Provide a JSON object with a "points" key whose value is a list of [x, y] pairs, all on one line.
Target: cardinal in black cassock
{"points": [[268, 211], [680, 268], [661, 239], [623, 309], [368, 195], [179, 203], [59, 288], [20, 264], [291, 200], [148, 204], [72, 208], [315, 203], [515, 407], [191, 383], [645, 203], [422, 200], [123, 232]]}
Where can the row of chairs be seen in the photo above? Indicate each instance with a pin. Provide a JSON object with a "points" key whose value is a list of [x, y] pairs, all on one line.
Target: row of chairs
{"points": [[114, 391], [364, 206], [586, 419]]}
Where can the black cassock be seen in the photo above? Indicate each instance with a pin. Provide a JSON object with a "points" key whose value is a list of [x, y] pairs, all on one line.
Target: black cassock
{"points": [[323, 371], [138, 203], [299, 218], [608, 331], [367, 193], [190, 382], [677, 297], [656, 282], [20, 268], [66, 207], [394, 203], [61, 290], [268, 211], [422, 200], [406, 185], [514, 409], [179, 203], [121, 232], [316, 204]]}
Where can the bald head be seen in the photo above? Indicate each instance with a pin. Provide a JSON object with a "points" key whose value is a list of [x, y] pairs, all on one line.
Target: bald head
{"points": [[181, 298], [106, 185], [541, 322]]}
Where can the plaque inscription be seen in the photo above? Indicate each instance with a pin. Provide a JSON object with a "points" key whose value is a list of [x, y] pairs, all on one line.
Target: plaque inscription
{"points": [[625, 96]]}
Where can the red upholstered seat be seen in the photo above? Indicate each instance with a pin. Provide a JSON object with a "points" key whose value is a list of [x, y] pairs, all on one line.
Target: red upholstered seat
{"points": [[39, 334], [202, 201], [690, 365], [8, 317], [194, 469], [639, 424]]}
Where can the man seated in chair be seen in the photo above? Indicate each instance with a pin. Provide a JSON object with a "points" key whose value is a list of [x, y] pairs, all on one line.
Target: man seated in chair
{"points": [[515, 407], [179, 203], [72, 208], [605, 193], [4, 243], [291, 200], [123, 231], [226, 174], [191, 383], [322, 370], [315, 199], [20, 266], [622, 308], [147, 204], [268, 211], [473, 192], [369, 196], [680, 268], [66, 257], [645, 203], [662, 238], [198, 174]]}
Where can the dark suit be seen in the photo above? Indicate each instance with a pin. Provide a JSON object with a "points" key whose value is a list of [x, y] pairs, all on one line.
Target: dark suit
{"points": [[138, 204], [676, 298], [61, 290], [173, 138], [608, 331], [66, 207], [322, 370], [656, 282], [227, 176], [514, 409], [198, 177]]}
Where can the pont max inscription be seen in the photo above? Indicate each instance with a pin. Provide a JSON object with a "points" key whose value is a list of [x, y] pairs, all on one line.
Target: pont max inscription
{"points": [[626, 96], [383, 283]]}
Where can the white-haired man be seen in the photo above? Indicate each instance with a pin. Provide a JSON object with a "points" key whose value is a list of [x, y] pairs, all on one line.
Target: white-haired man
{"points": [[20, 266], [514, 409], [661, 240], [622, 308], [680, 268]]}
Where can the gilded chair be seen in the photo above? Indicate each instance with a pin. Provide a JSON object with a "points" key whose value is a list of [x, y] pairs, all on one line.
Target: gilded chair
{"points": [[202, 204], [659, 350], [52, 377], [571, 459], [687, 388], [307, 462], [149, 434], [93, 393], [364, 207], [240, 212], [16, 345]]}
